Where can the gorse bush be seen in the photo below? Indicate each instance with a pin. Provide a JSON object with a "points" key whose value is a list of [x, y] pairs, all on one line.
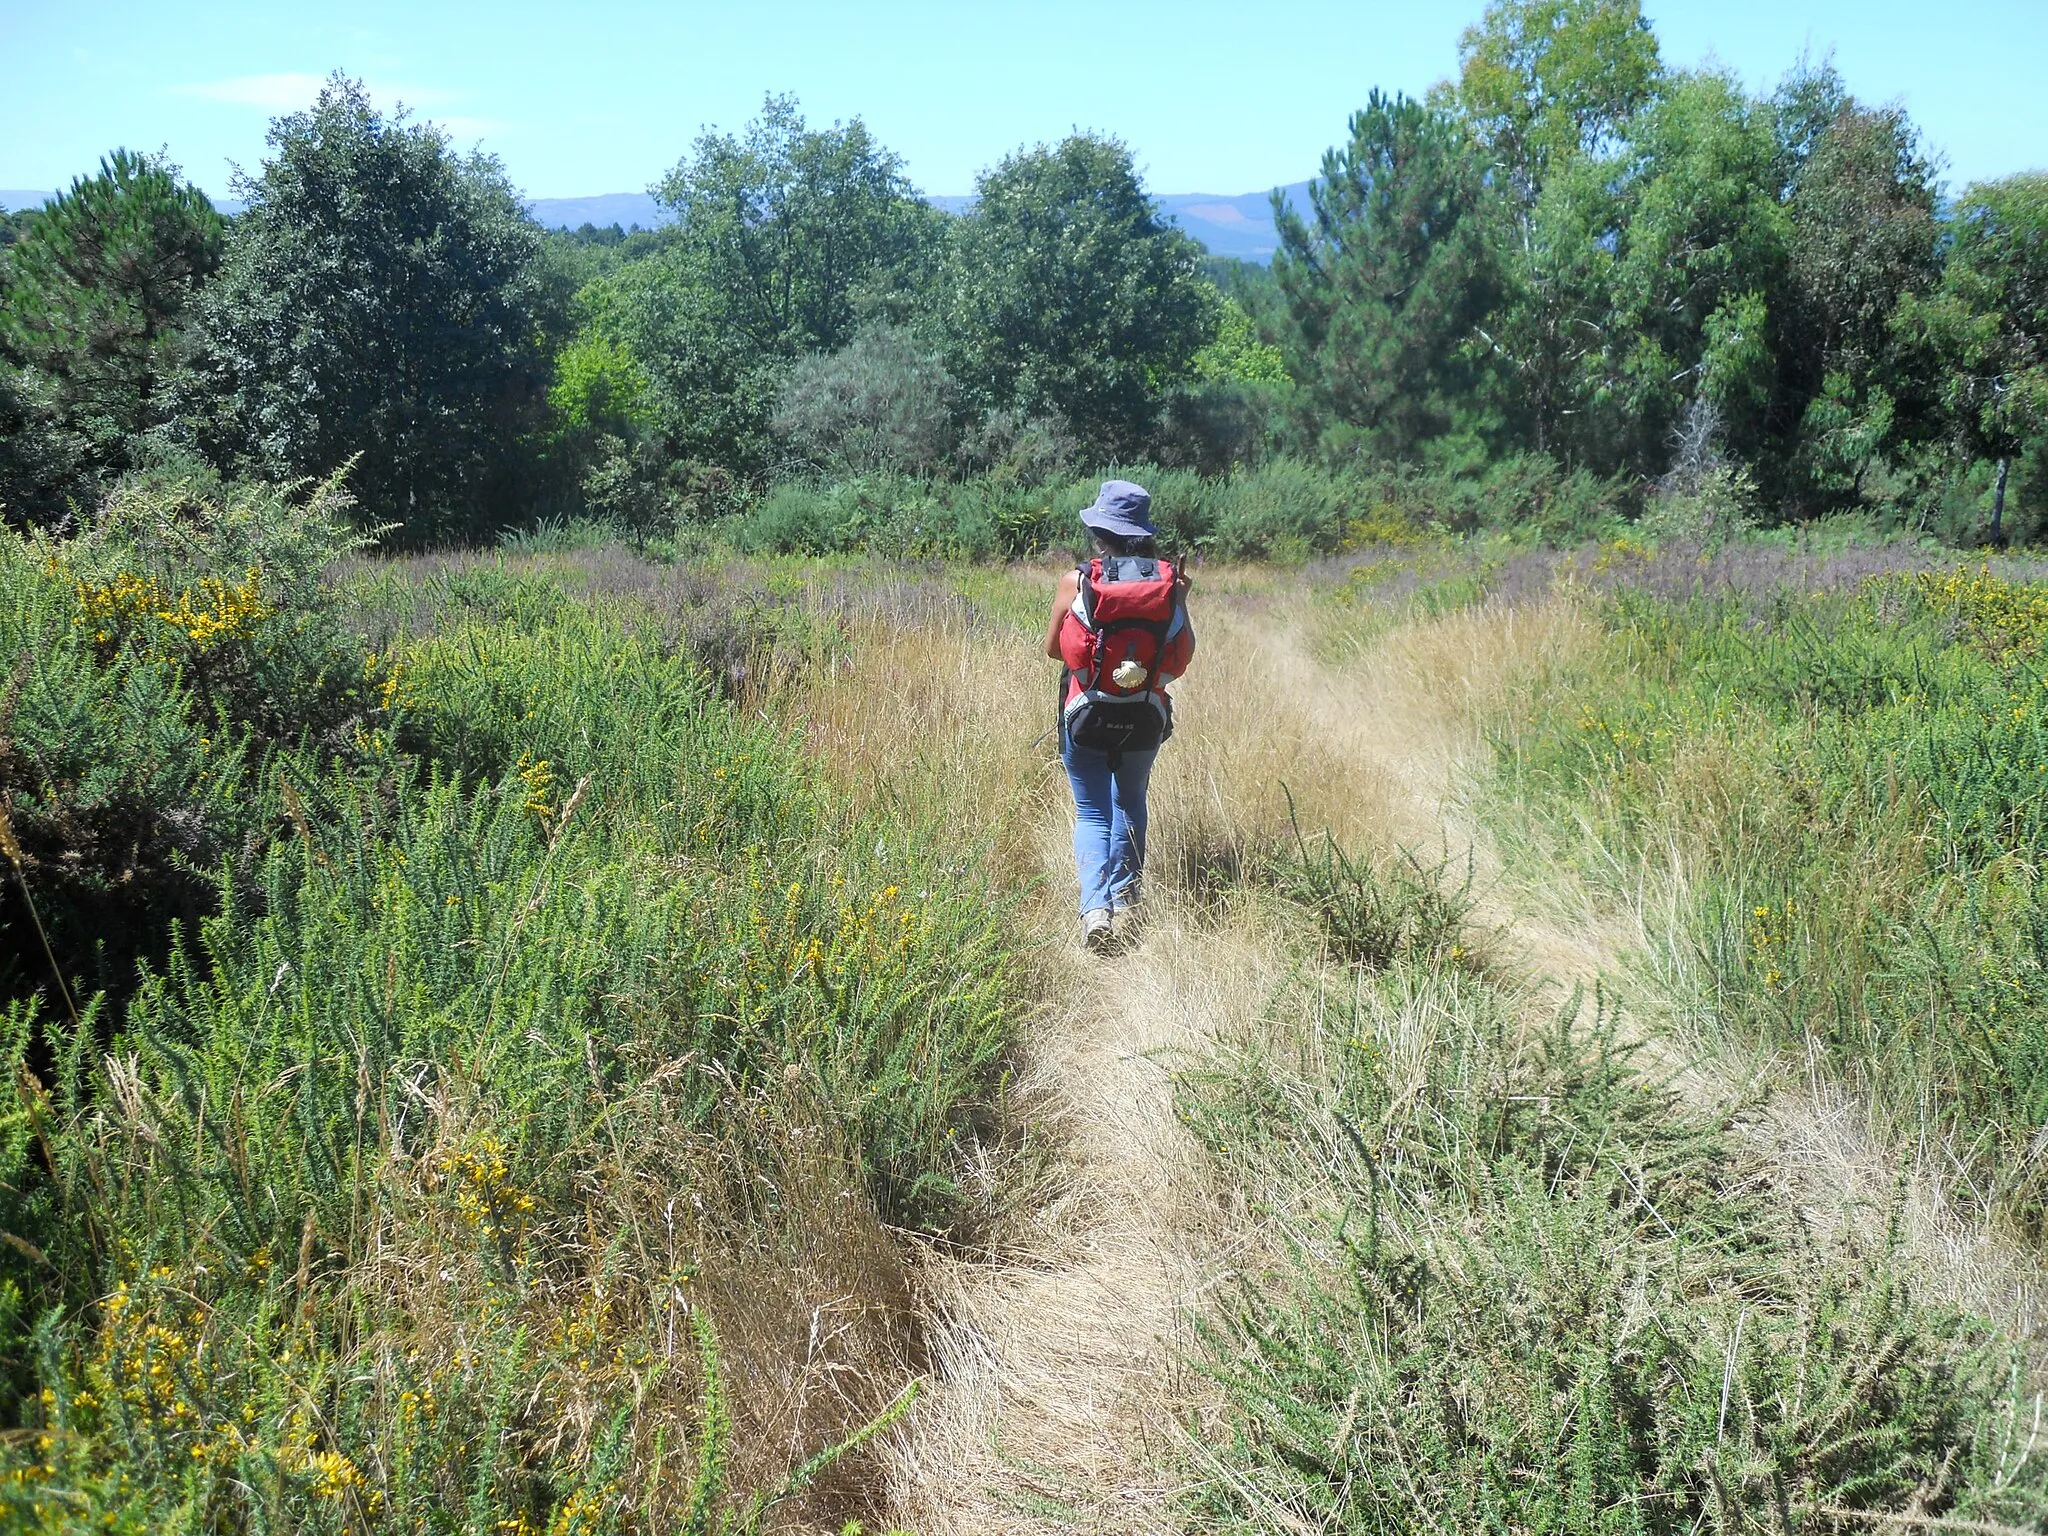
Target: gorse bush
{"points": [[1529, 1288], [545, 1057], [227, 581], [156, 663], [1374, 913]]}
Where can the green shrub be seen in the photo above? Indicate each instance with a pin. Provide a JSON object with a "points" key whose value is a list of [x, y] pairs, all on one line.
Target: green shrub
{"points": [[1278, 508], [1855, 776], [881, 403], [1531, 1288], [155, 664], [883, 514], [562, 1022], [1376, 912]]}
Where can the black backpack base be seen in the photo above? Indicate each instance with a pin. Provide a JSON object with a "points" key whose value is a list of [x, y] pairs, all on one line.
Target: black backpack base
{"points": [[1117, 726]]}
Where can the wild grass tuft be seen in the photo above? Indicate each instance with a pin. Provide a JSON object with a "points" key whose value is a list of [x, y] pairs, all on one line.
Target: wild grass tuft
{"points": [[1854, 779], [1374, 912]]}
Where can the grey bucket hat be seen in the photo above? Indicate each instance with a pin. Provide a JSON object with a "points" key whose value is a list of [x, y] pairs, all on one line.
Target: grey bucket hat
{"points": [[1121, 508]]}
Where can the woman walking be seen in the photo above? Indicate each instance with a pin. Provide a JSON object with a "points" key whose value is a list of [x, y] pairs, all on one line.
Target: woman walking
{"points": [[1120, 629]]}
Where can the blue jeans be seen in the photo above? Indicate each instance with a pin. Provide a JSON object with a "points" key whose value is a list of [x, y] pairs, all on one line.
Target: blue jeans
{"points": [[1109, 825]]}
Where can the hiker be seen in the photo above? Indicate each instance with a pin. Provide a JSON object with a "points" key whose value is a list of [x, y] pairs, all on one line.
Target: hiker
{"points": [[1120, 630]]}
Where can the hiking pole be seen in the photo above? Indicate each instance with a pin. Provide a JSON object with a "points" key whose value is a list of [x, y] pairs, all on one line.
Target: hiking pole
{"points": [[1059, 712]]}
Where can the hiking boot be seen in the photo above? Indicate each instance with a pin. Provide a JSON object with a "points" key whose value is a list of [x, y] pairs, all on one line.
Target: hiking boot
{"points": [[1096, 932], [1125, 900]]}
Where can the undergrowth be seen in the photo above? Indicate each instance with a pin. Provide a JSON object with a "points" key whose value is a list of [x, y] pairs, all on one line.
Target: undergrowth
{"points": [[1854, 778], [1518, 1283], [1281, 508], [511, 1124], [1372, 911]]}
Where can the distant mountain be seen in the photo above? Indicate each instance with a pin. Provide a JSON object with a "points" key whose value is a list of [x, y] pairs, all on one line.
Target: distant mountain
{"points": [[1240, 226], [14, 202], [624, 209]]}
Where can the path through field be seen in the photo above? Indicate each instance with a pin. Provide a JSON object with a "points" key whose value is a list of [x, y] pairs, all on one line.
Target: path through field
{"points": [[1057, 1396]]}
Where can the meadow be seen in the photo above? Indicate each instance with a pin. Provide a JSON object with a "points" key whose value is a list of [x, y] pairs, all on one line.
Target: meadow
{"points": [[1838, 764], [585, 1038]]}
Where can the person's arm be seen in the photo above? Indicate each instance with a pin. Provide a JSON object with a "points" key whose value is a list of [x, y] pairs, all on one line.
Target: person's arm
{"points": [[1062, 604]]}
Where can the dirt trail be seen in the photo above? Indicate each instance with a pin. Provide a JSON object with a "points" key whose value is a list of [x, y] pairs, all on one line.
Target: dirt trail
{"points": [[1056, 1395]]}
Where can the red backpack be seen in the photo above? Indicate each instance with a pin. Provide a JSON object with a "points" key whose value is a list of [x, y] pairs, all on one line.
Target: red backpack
{"points": [[1132, 636]]}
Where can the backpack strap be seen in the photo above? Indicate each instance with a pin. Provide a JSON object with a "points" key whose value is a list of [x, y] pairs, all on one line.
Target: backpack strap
{"points": [[1084, 610]]}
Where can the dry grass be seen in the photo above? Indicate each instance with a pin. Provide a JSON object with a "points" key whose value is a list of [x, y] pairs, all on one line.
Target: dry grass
{"points": [[936, 717], [1057, 1388], [1834, 1156], [758, 1221], [1056, 1398]]}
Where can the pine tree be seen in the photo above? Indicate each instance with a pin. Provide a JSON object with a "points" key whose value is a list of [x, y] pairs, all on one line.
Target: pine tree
{"points": [[1389, 283], [94, 295]]}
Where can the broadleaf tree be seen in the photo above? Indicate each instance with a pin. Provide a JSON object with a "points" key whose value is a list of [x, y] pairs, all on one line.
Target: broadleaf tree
{"points": [[1864, 235], [1983, 333], [1688, 238], [382, 301], [1066, 296], [785, 236], [786, 223], [1543, 81]]}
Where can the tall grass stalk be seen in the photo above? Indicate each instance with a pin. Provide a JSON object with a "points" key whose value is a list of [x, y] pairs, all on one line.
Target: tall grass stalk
{"points": [[1853, 779]]}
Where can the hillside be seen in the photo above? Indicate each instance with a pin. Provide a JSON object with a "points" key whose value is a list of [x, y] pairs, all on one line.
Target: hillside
{"points": [[1240, 225]]}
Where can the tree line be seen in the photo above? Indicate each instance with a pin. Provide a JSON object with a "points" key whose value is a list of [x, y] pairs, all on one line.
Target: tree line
{"points": [[1572, 253]]}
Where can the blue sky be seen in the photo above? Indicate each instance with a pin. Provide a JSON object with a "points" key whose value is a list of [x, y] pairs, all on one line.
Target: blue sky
{"points": [[604, 96]]}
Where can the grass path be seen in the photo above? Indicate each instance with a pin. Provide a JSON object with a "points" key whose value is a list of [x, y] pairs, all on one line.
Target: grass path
{"points": [[1057, 1396]]}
